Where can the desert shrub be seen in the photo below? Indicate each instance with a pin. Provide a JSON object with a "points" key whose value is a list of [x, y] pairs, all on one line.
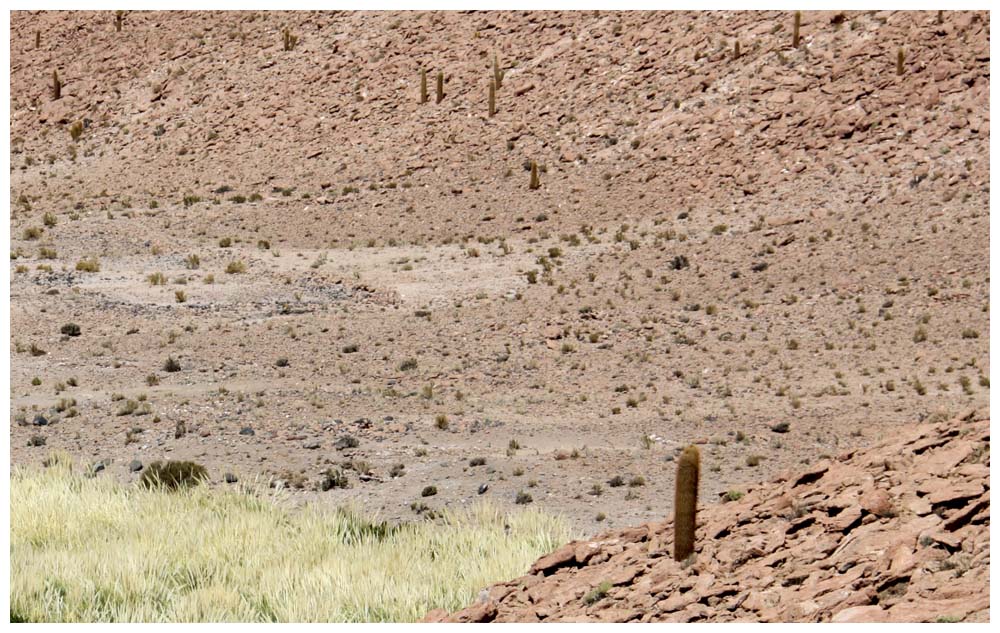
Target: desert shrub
{"points": [[88, 265], [70, 329], [333, 478], [597, 593], [171, 365], [173, 475]]}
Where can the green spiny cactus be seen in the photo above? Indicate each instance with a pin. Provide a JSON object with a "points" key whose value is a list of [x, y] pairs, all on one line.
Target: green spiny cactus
{"points": [[900, 57], [440, 87], [119, 20], [497, 73], [795, 29], [56, 86], [423, 85], [493, 98], [686, 502], [534, 183]]}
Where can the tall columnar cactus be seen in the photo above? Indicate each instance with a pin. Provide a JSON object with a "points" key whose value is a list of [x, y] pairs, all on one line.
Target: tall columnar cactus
{"points": [[686, 502], [795, 29], [940, 18], [38, 40], [534, 183], [736, 50], [493, 98], [900, 58], [288, 41], [56, 86], [423, 85], [119, 20], [497, 74], [440, 87]]}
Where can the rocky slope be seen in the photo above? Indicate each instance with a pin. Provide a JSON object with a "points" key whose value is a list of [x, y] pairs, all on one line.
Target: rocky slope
{"points": [[622, 109], [778, 256], [897, 533]]}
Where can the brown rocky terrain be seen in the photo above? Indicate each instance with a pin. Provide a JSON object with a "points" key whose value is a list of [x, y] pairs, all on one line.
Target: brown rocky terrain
{"points": [[900, 533], [779, 256]]}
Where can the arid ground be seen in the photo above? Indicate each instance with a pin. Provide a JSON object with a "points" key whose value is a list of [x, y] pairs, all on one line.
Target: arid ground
{"points": [[778, 253]]}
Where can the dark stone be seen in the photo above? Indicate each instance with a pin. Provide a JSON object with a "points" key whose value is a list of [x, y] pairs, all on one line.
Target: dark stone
{"points": [[246, 430], [40, 420], [483, 488], [134, 466], [780, 427]]}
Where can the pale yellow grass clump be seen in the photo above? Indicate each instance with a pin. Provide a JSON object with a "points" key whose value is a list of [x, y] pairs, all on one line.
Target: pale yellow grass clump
{"points": [[94, 550]]}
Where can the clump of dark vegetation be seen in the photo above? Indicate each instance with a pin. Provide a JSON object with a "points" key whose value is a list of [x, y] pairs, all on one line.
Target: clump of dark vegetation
{"points": [[173, 475], [70, 329], [333, 478]]}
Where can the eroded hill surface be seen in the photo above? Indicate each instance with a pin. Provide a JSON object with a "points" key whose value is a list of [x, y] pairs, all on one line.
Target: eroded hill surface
{"points": [[278, 263]]}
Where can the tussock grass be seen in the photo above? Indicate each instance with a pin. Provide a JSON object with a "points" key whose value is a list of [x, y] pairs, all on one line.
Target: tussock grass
{"points": [[90, 549]]}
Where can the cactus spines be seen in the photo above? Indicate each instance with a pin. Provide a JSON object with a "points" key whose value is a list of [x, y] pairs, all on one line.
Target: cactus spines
{"points": [[497, 74], [493, 98], [119, 19], [795, 29], [686, 502], [423, 85], [534, 183], [900, 57], [56, 86], [440, 87]]}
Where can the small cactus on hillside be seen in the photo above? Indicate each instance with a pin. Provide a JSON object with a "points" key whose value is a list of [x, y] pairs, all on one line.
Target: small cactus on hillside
{"points": [[736, 50], [497, 73], [119, 20], [795, 29], [288, 40], [76, 130], [423, 85], [686, 502], [493, 98], [900, 58], [534, 183], [38, 40], [56, 86], [440, 87]]}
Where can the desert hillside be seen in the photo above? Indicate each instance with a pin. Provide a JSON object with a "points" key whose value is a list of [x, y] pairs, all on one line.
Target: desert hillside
{"points": [[282, 265], [900, 533]]}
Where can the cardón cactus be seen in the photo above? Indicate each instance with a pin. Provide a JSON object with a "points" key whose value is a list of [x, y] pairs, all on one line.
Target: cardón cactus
{"points": [[686, 502]]}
